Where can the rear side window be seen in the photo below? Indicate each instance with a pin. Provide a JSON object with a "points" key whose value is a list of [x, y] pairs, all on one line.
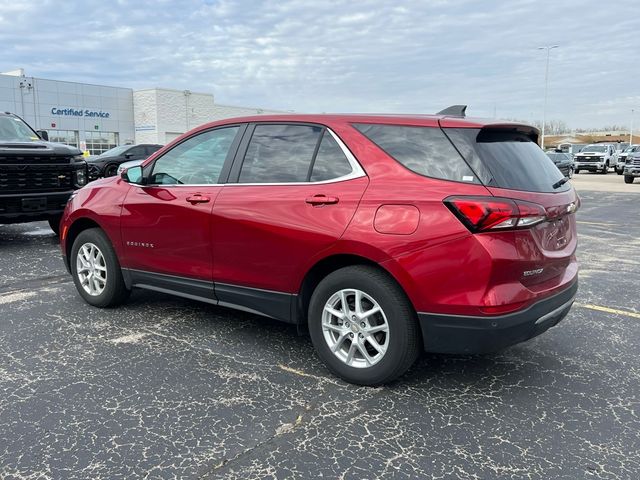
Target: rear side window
{"points": [[511, 159], [330, 161], [424, 150], [279, 154]]}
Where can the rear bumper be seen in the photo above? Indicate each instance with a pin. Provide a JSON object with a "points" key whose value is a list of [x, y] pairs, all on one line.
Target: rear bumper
{"points": [[466, 334]]}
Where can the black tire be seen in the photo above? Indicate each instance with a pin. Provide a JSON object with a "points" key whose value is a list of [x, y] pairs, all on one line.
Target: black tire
{"points": [[404, 339], [54, 224], [577, 170], [618, 171], [628, 179], [605, 170], [115, 291], [110, 170]]}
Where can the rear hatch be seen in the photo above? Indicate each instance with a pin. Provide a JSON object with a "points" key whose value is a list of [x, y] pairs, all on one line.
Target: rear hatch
{"points": [[515, 170]]}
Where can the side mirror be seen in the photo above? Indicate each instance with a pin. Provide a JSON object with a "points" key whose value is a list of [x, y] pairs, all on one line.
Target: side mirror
{"points": [[133, 175], [43, 134]]}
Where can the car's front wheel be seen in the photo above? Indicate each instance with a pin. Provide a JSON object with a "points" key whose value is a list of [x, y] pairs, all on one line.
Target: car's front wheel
{"points": [[96, 270], [363, 326], [110, 170]]}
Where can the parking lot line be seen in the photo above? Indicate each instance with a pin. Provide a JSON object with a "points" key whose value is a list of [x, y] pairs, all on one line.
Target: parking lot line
{"points": [[596, 223], [609, 310]]}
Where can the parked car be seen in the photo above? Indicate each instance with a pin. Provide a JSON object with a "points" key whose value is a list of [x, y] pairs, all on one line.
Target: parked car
{"points": [[597, 157], [373, 232], [132, 163], [564, 162], [632, 167], [106, 164], [36, 176], [622, 157]]}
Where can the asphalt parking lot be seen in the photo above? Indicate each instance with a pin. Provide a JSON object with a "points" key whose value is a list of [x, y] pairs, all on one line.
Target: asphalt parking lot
{"points": [[169, 388]]}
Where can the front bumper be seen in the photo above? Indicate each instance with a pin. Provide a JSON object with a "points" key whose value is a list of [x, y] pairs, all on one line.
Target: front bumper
{"points": [[466, 335], [632, 172], [94, 170], [32, 207], [592, 167]]}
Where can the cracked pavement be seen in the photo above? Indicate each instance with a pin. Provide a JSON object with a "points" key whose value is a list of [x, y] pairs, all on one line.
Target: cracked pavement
{"points": [[169, 388]]}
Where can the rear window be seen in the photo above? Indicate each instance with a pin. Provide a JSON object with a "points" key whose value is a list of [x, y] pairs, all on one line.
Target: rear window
{"points": [[424, 150], [507, 159]]}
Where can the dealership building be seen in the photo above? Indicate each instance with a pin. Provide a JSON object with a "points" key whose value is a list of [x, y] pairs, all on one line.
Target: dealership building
{"points": [[96, 118]]}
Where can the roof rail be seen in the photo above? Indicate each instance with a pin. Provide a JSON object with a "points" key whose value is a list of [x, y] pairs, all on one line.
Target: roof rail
{"points": [[454, 111]]}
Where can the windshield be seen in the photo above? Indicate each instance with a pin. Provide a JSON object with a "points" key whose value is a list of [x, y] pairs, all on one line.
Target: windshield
{"points": [[115, 151], [12, 129], [594, 148]]}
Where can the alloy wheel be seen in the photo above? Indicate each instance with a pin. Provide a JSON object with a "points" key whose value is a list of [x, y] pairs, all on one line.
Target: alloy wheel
{"points": [[355, 328], [91, 269]]}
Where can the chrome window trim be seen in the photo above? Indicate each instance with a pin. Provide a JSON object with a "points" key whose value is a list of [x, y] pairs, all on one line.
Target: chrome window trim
{"points": [[356, 172], [356, 169]]}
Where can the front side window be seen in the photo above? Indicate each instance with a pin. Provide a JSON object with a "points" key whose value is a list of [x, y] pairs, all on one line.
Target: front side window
{"points": [[136, 152], [196, 161], [279, 154], [424, 150]]}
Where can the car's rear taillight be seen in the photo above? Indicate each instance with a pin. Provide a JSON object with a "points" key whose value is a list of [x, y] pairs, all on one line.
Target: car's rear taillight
{"points": [[481, 214]]}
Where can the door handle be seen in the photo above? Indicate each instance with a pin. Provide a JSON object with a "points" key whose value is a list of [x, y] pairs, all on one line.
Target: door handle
{"points": [[197, 198], [321, 200]]}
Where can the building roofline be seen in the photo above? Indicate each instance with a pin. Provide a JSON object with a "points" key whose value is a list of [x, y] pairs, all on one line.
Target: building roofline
{"points": [[68, 81]]}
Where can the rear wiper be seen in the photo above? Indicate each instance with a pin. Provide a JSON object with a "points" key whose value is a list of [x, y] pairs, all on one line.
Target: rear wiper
{"points": [[560, 182]]}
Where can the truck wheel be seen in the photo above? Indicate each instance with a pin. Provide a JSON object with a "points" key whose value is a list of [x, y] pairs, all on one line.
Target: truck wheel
{"points": [[576, 171], [605, 170], [54, 224], [628, 179], [618, 171], [363, 326], [96, 271]]}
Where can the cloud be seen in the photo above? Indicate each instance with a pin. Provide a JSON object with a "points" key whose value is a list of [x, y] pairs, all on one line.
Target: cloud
{"points": [[405, 56]]}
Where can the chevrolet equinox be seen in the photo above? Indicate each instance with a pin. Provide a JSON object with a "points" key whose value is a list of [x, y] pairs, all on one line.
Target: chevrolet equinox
{"points": [[381, 234]]}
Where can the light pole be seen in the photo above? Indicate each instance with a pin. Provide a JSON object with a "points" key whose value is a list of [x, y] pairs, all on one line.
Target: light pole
{"points": [[546, 89], [631, 130]]}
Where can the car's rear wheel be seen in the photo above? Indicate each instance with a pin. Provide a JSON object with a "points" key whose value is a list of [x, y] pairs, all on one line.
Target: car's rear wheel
{"points": [[96, 270], [363, 326], [628, 179]]}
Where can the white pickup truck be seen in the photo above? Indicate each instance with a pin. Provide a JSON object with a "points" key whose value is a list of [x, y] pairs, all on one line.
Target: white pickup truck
{"points": [[597, 157]]}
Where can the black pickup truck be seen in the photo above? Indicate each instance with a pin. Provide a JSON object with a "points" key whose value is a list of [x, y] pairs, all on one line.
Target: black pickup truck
{"points": [[36, 177]]}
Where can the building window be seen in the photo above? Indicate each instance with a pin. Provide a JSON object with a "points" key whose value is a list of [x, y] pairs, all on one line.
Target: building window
{"points": [[100, 142], [68, 137]]}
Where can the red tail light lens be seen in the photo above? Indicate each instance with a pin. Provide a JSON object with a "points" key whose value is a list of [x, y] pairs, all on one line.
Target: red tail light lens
{"points": [[480, 214]]}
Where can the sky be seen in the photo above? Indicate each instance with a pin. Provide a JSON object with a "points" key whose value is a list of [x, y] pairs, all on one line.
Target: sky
{"points": [[346, 56]]}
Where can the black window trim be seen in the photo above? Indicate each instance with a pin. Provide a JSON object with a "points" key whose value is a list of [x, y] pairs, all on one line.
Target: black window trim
{"points": [[479, 181], [226, 167], [234, 177]]}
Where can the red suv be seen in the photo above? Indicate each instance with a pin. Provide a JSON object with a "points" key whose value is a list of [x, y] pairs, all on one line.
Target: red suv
{"points": [[382, 234]]}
